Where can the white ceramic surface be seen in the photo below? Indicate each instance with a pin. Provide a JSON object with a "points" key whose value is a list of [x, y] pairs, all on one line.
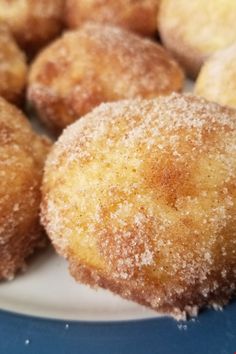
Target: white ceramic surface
{"points": [[47, 290]]}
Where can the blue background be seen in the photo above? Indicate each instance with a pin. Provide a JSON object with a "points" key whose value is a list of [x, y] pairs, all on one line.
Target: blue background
{"points": [[212, 332]]}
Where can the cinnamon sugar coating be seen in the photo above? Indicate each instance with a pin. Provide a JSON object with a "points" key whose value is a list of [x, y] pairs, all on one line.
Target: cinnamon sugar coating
{"points": [[32, 22], [138, 16], [217, 79], [13, 68], [21, 165], [140, 197], [194, 30], [98, 64]]}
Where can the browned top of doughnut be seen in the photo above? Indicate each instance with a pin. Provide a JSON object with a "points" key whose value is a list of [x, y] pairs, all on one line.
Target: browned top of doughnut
{"points": [[32, 22], [97, 64], [143, 194], [138, 16]]}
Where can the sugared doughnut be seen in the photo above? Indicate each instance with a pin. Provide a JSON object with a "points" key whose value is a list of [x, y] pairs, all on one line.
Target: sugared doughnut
{"points": [[138, 16], [13, 68], [22, 157], [217, 79], [97, 64], [140, 197], [32, 22], [193, 30]]}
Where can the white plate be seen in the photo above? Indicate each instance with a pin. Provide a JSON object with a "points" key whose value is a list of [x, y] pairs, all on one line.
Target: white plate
{"points": [[47, 290]]}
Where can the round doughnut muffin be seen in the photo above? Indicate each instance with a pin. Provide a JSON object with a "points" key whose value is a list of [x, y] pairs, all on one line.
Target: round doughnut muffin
{"points": [[193, 30], [33, 23], [138, 16], [139, 196], [21, 167], [217, 79], [13, 68], [97, 63]]}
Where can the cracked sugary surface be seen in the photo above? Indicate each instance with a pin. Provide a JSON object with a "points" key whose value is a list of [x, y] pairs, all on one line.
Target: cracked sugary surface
{"points": [[21, 167], [140, 196], [95, 64]]}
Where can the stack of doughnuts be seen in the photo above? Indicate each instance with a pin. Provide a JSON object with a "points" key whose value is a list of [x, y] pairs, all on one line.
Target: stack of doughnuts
{"points": [[138, 192]]}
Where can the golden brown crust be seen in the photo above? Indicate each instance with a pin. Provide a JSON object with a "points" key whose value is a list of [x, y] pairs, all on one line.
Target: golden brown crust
{"points": [[217, 79], [140, 197], [137, 16], [21, 167], [194, 30], [98, 64], [146, 296], [13, 68], [33, 23]]}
